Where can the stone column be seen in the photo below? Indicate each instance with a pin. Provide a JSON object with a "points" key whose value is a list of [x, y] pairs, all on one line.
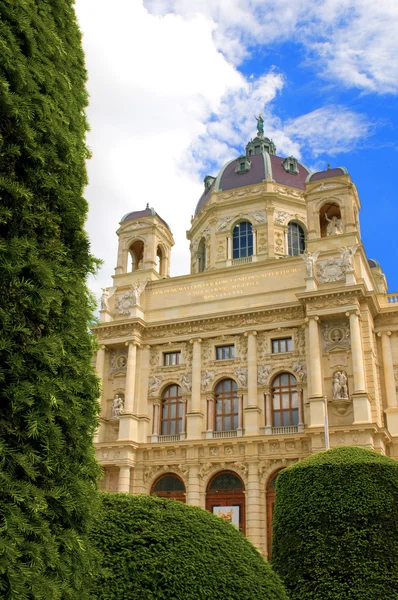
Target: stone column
{"points": [[210, 416], [389, 378], [156, 422], [252, 411], [229, 247], [183, 419], [300, 407], [100, 368], [315, 358], [193, 492], [252, 369], [360, 400], [268, 412], [240, 415], [253, 505], [316, 400], [358, 367], [124, 479], [194, 416], [142, 400], [271, 231], [129, 394], [254, 241]]}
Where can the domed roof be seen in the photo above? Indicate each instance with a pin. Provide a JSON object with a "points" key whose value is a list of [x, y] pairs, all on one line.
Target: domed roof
{"points": [[259, 164], [373, 263], [327, 174], [139, 214]]}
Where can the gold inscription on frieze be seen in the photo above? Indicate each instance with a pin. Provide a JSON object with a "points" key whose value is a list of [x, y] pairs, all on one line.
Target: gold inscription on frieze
{"points": [[225, 287]]}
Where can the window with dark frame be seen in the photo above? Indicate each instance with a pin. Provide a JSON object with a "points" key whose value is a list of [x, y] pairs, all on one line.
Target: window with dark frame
{"points": [[282, 345], [295, 239], [225, 352], [242, 240], [172, 411], [285, 399], [171, 358], [226, 406]]}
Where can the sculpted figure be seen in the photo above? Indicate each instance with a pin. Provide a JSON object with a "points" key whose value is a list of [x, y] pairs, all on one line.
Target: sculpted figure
{"points": [[310, 260], [343, 385], [117, 406], [334, 226], [104, 299], [336, 386], [136, 291], [260, 123], [347, 254]]}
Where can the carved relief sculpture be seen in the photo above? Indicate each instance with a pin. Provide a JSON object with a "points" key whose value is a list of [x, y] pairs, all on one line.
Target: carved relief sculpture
{"points": [[330, 270], [335, 335], [280, 217], [186, 382], [125, 302], [241, 376], [278, 243], [154, 383], [207, 380], [347, 254], [263, 372]]}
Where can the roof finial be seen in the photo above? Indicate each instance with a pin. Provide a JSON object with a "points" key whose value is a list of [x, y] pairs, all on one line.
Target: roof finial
{"points": [[147, 205], [328, 166], [260, 124]]}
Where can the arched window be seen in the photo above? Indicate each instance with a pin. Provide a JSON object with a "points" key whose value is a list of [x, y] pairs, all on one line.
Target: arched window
{"points": [[285, 401], [137, 255], [295, 239], [201, 257], [227, 406], [160, 261], [172, 411], [330, 220], [242, 240], [169, 486], [225, 498]]}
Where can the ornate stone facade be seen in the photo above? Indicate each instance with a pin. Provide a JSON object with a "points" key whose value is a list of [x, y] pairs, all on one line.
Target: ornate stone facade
{"points": [[229, 370]]}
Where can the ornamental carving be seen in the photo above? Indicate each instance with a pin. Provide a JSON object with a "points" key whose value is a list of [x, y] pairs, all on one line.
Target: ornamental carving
{"points": [[300, 368], [241, 376], [223, 223], [118, 361], [221, 250], [150, 473], [280, 217], [186, 382], [154, 384], [330, 270], [279, 243], [262, 242], [207, 379], [263, 372], [242, 347], [154, 358], [331, 302], [300, 341], [335, 334], [396, 377], [126, 301], [259, 217], [206, 352]]}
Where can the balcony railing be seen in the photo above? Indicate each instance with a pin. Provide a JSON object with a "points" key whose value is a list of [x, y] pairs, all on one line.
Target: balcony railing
{"points": [[242, 261], [283, 430], [225, 434], [392, 298], [169, 438]]}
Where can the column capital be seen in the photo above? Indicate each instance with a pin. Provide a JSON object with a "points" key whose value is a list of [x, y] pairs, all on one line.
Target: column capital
{"points": [[103, 347], [133, 343], [384, 333], [209, 397], [247, 333], [314, 317], [193, 340], [353, 312]]}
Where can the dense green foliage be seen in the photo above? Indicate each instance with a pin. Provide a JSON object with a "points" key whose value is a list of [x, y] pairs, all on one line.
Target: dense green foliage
{"points": [[156, 549], [48, 389], [335, 527]]}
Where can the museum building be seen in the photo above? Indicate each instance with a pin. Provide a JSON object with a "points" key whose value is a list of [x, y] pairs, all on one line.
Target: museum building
{"points": [[281, 341]]}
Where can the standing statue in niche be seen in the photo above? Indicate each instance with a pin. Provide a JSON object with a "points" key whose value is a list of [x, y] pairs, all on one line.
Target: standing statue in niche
{"points": [[340, 387], [347, 255], [334, 226], [117, 406], [310, 260], [106, 294], [260, 124]]}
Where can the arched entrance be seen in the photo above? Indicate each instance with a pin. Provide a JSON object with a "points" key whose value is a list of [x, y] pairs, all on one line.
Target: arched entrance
{"points": [[270, 501], [225, 497], [169, 486]]}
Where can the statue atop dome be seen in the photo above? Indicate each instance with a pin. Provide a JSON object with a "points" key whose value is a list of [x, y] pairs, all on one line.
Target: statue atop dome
{"points": [[260, 124]]}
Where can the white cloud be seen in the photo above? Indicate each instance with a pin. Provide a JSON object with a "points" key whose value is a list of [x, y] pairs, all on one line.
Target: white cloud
{"points": [[351, 42], [330, 130]]}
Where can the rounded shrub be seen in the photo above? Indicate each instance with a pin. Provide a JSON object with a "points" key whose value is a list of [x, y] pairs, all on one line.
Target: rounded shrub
{"points": [[152, 548], [335, 527]]}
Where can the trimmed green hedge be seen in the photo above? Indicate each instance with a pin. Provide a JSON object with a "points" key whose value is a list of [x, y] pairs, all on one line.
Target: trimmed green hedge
{"points": [[153, 549], [335, 527]]}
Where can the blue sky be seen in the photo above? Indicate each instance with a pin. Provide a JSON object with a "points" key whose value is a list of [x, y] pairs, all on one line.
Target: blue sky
{"points": [[175, 84]]}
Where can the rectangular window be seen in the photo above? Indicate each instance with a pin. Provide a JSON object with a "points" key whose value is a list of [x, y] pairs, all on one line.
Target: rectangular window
{"points": [[225, 352], [282, 345], [171, 358]]}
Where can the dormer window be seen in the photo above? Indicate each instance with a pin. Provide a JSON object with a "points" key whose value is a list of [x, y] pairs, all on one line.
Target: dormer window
{"points": [[208, 181], [242, 165], [290, 165]]}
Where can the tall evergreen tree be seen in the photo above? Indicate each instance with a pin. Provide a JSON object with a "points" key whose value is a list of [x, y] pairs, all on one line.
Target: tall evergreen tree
{"points": [[48, 388]]}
